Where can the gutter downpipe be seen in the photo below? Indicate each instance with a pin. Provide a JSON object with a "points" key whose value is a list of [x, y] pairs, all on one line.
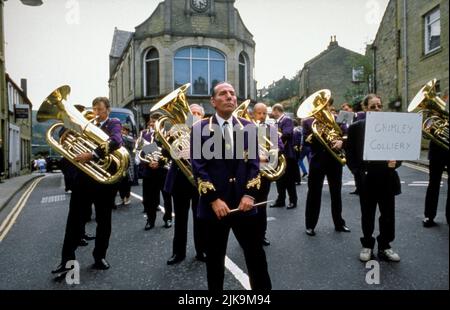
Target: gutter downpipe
{"points": [[405, 52]]}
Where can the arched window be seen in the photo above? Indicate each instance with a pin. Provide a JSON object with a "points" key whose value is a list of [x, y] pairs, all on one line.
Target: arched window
{"points": [[151, 72], [243, 76], [203, 67]]}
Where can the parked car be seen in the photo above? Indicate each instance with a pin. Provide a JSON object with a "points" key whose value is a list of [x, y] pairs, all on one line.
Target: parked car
{"points": [[53, 163]]}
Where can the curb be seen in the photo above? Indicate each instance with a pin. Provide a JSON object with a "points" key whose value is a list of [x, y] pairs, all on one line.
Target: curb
{"points": [[18, 190], [418, 163]]}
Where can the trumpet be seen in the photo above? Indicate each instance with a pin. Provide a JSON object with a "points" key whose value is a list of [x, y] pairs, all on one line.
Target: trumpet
{"points": [[81, 136]]}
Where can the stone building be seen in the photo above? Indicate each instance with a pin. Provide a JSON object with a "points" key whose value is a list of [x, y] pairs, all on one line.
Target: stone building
{"points": [[410, 49], [197, 41], [336, 69]]}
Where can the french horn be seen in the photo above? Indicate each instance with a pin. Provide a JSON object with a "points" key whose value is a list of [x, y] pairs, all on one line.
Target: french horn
{"points": [[80, 136], [324, 126]]}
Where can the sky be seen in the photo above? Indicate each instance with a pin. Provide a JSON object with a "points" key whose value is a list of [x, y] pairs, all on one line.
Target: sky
{"points": [[68, 41]]}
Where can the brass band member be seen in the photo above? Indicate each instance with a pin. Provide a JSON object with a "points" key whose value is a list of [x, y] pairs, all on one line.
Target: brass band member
{"points": [[323, 164], [183, 193], [87, 191], [153, 178], [260, 116], [225, 182]]}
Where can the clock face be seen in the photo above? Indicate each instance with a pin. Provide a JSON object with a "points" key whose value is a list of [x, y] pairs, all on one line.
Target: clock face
{"points": [[200, 5]]}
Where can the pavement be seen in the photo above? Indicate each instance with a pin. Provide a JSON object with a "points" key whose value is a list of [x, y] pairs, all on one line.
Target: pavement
{"points": [[10, 187]]}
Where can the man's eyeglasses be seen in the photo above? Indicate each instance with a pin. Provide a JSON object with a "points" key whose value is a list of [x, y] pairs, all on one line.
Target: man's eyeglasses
{"points": [[375, 106]]}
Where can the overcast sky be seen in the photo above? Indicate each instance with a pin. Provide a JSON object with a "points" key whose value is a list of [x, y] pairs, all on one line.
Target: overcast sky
{"points": [[68, 41]]}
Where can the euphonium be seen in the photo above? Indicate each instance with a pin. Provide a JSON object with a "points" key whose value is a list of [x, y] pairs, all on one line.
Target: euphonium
{"points": [[148, 151], [176, 139], [276, 166], [435, 123], [324, 126], [81, 136]]}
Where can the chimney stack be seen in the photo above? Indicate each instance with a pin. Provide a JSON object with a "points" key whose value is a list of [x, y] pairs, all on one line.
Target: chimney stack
{"points": [[23, 85]]}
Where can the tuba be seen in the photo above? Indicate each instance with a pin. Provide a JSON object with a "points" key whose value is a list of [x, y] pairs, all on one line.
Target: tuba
{"points": [[81, 136], [274, 169], [435, 123], [324, 126], [176, 139]]}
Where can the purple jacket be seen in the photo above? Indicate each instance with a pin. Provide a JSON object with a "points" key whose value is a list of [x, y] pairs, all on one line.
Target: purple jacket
{"points": [[112, 127], [227, 179], [286, 127]]}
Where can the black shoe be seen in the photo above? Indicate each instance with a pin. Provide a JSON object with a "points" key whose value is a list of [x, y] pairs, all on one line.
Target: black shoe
{"points": [[200, 257], [265, 242], [101, 264], [304, 175], [343, 228], [149, 225], [291, 205], [175, 259], [88, 237], [277, 205], [354, 193], [427, 222], [83, 242], [168, 224], [310, 232], [61, 269]]}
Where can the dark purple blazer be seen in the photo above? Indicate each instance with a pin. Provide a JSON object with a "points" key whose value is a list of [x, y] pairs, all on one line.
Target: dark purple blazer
{"points": [[286, 127], [112, 127], [227, 179]]}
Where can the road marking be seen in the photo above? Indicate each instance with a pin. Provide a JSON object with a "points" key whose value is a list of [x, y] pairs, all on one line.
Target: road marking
{"points": [[229, 264], [51, 199], [423, 169], [237, 272], [161, 208], [12, 216]]}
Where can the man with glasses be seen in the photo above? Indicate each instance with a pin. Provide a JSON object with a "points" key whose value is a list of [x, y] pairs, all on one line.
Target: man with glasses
{"points": [[379, 183]]}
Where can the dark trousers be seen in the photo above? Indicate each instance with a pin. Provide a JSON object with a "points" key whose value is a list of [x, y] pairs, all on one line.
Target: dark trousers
{"points": [[333, 171], [125, 187], [152, 185], [182, 202], [85, 193], [245, 228], [262, 195], [287, 182], [432, 197], [373, 193]]}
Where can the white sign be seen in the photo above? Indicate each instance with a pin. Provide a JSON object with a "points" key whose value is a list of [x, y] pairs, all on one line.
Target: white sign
{"points": [[392, 136]]}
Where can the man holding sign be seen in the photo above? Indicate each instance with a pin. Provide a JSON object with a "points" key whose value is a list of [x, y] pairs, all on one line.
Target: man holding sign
{"points": [[374, 158]]}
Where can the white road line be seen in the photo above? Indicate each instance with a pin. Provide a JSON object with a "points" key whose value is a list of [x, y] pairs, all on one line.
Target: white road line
{"points": [[12, 216], [229, 264], [237, 273], [423, 169], [50, 199]]}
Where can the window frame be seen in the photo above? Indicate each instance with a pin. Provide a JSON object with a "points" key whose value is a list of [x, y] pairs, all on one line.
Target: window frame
{"points": [[246, 74], [144, 65], [426, 25], [191, 58]]}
